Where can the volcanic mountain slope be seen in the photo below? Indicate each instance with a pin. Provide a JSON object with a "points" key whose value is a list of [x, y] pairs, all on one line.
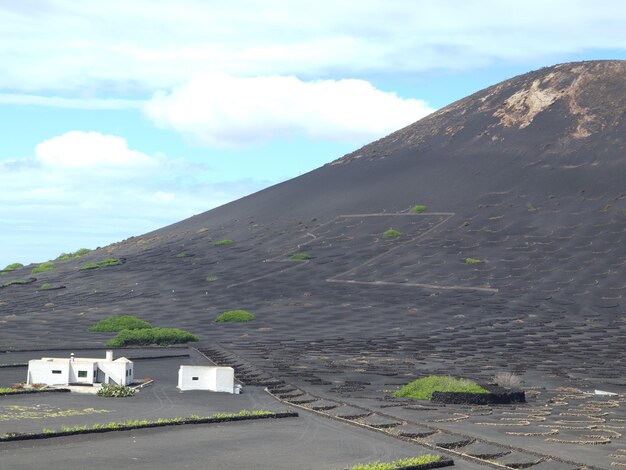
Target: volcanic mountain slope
{"points": [[523, 240]]}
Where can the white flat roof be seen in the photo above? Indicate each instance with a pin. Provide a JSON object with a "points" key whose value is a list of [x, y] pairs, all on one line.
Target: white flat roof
{"points": [[90, 360]]}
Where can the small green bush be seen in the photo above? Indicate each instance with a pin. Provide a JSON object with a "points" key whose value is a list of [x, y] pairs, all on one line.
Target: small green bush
{"points": [[101, 264], [76, 254], [301, 256], [235, 316], [422, 389], [223, 242], [43, 267], [472, 261], [119, 323], [145, 337], [47, 285], [16, 282], [212, 278], [13, 267], [418, 209], [117, 391], [399, 463], [391, 233]]}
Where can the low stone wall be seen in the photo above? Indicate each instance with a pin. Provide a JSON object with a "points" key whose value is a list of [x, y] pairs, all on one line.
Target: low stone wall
{"points": [[492, 398]]}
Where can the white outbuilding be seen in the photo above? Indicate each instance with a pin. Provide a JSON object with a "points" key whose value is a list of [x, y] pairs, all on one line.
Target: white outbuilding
{"points": [[81, 371], [212, 378]]}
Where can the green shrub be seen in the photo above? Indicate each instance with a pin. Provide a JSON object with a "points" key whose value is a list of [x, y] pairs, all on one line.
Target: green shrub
{"points": [[223, 242], [301, 256], [399, 463], [119, 323], [76, 254], [117, 391], [235, 316], [472, 261], [212, 278], [43, 267], [418, 209], [391, 233], [47, 285], [89, 266], [101, 264], [422, 389], [145, 337], [13, 267], [16, 282]]}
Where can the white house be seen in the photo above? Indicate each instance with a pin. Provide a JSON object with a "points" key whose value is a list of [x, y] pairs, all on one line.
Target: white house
{"points": [[77, 370], [215, 379]]}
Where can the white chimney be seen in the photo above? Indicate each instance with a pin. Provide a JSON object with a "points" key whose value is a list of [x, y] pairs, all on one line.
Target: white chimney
{"points": [[109, 356]]}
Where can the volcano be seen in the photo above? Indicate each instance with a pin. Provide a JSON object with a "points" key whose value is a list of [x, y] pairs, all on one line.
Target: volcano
{"points": [[507, 251]]}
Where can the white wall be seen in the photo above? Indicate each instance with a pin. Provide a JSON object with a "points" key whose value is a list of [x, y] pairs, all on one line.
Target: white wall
{"points": [[76, 367], [215, 379], [224, 379], [116, 371], [40, 372]]}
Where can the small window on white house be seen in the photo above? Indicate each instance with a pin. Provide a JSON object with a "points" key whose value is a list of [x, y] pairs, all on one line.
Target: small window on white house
{"points": [[82, 374], [194, 378], [56, 371]]}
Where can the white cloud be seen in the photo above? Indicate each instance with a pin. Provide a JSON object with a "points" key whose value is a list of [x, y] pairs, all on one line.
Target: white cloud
{"points": [[219, 109], [89, 189], [77, 149], [141, 46], [69, 103]]}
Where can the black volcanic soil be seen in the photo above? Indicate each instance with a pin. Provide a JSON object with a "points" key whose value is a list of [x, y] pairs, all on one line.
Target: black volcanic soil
{"points": [[527, 176]]}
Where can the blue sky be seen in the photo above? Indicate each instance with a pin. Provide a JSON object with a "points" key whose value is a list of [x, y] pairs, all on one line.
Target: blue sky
{"points": [[122, 117]]}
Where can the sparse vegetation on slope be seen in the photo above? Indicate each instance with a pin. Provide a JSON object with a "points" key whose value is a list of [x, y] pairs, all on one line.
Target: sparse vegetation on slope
{"points": [[16, 282], [301, 256], [76, 254], [391, 233], [223, 242], [13, 266], [473, 261], [235, 316], [43, 267], [148, 336], [119, 323], [422, 389], [101, 264]]}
